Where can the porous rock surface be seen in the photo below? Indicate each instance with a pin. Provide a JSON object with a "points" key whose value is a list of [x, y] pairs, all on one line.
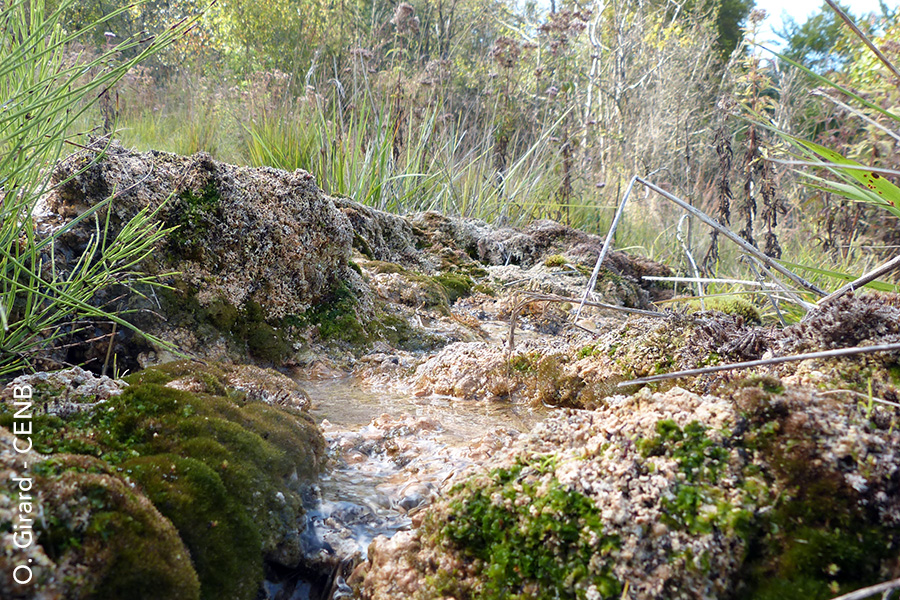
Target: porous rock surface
{"points": [[245, 234], [750, 490], [779, 481]]}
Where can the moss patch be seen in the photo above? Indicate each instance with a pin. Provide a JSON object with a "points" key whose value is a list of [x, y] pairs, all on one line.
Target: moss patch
{"points": [[555, 260], [730, 305], [245, 329], [335, 317], [456, 285], [534, 537], [224, 541], [696, 504], [819, 539], [192, 215]]}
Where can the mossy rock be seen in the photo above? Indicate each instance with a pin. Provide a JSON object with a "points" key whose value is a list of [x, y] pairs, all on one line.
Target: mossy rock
{"points": [[221, 463], [380, 266], [822, 537], [192, 216], [224, 542], [396, 331], [93, 517], [335, 318], [245, 330], [550, 546], [730, 305], [456, 285]]}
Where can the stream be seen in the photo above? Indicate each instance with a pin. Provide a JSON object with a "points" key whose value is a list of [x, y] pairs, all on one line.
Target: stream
{"points": [[389, 455]]}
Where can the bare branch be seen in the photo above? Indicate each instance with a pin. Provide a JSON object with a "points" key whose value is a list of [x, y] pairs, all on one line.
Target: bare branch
{"points": [[869, 277], [868, 592], [768, 361]]}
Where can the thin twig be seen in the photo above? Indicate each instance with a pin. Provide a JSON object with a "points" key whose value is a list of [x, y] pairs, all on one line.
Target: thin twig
{"points": [[864, 38], [709, 280], [607, 243], [747, 247], [768, 361], [867, 592], [858, 113], [687, 251], [112, 339], [730, 294], [869, 277]]}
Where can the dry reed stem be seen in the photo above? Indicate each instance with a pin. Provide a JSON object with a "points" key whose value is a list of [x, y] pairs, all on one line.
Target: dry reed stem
{"points": [[868, 592], [869, 277], [748, 248], [863, 37], [764, 362], [607, 243], [724, 280], [745, 246]]}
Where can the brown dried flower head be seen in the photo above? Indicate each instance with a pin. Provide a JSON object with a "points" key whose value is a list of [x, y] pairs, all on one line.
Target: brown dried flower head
{"points": [[405, 19], [506, 52]]}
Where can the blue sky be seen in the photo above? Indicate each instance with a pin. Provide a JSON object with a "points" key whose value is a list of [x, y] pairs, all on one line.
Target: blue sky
{"points": [[800, 10]]}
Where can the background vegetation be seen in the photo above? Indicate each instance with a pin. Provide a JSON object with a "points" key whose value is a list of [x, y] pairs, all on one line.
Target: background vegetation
{"points": [[511, 111]]}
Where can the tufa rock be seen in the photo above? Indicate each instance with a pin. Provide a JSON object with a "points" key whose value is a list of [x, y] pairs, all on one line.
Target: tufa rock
{"points": [[243, 235]]}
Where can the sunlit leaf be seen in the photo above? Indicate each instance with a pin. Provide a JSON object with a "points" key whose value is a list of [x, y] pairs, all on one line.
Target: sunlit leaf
{"points": [[875, 188]]}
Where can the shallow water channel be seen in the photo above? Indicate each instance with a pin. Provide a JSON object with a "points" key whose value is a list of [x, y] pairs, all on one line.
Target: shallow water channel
{"points": [[389, 455]]}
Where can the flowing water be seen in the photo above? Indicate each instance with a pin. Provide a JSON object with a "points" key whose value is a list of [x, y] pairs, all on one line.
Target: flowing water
{"points": [[389, 454]]}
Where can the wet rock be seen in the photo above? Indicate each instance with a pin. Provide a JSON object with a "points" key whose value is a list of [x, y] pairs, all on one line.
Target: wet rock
{"points": [[673, 494], [65, 392]]}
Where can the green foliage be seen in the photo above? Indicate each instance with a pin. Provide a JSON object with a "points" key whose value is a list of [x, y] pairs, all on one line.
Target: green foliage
{"points": [[549, 544], [730, 19], [851, 149], [816, 43]]}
